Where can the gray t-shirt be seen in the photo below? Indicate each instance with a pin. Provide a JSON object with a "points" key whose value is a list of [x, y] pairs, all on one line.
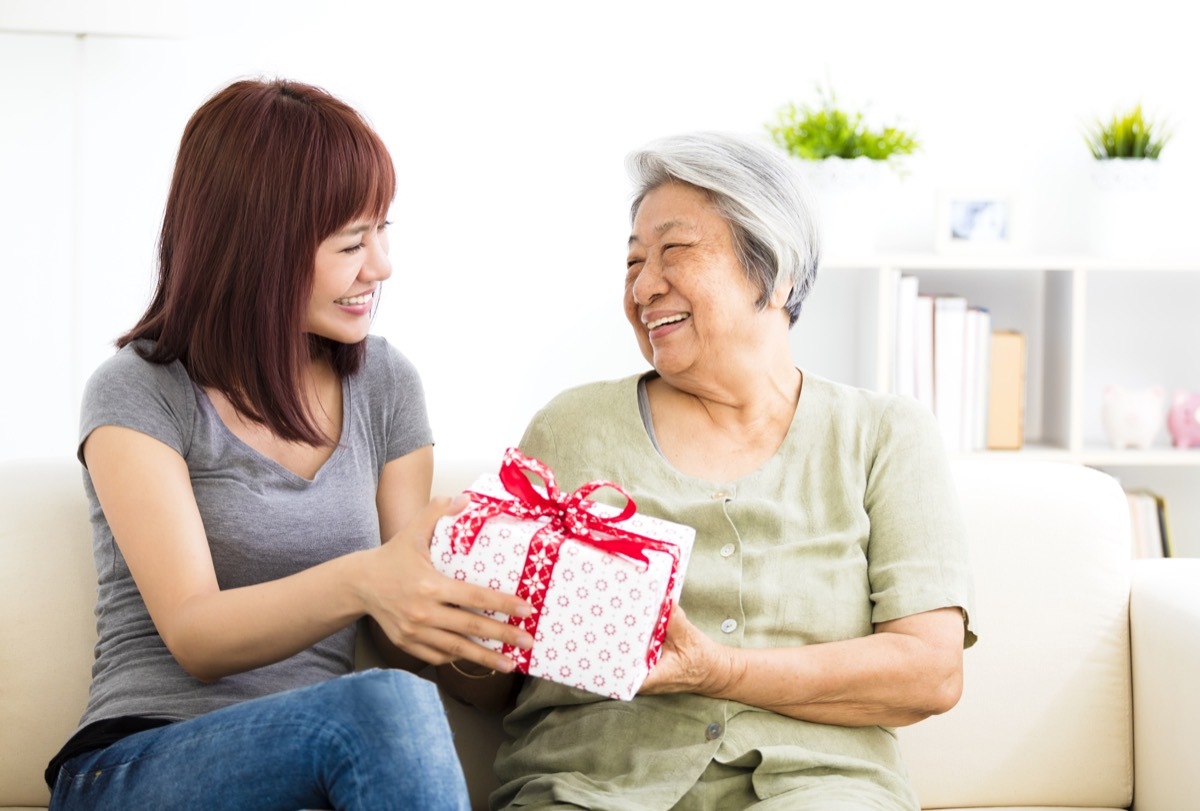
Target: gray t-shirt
{"points": [[263, 522]]}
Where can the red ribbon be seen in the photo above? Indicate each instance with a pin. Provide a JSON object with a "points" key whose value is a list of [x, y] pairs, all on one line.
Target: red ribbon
{"points": [[571, 517]]}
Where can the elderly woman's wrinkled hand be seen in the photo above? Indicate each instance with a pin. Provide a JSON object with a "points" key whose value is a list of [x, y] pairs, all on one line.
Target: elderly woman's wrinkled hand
{"points": [[691, 662]]}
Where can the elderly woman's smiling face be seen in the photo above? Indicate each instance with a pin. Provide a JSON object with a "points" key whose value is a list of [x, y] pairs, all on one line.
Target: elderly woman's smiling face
{"points": [[686, 295]]}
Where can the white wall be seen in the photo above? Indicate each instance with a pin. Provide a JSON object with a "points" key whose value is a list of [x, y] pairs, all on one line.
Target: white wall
{"points": [[508, 123]]}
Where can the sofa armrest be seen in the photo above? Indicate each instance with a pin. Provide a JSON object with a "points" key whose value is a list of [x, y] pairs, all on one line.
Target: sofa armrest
{"points": [[1164, 620]]}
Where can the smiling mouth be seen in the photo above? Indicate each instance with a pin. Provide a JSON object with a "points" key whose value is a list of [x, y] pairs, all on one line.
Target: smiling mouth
{"points": [[352, 301], [670, 319]]}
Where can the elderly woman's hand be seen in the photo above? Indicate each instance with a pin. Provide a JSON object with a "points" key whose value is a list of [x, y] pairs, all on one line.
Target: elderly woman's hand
{"points": [[691, 662]]}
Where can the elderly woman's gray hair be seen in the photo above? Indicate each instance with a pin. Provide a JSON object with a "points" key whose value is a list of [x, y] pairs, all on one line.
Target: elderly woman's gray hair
{"points": [[759, 192]]}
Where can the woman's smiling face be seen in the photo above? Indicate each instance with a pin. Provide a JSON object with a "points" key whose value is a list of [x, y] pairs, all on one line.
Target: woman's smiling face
{"points": [[686, 295], [350, 264]]}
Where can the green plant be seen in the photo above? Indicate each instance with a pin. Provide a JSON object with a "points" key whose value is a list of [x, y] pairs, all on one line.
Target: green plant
{"points": [[827, 131], [1127, 135]]}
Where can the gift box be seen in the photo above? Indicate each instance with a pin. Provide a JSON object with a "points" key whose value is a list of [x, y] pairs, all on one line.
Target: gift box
{"points": [[601, 579]]}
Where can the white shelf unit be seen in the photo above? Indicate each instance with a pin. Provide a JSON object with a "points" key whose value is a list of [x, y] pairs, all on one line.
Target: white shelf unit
{"points": [[1089, 322]]}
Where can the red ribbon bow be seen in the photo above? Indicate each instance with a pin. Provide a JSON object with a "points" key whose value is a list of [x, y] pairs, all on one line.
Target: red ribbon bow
{"points": [[571, 517]]}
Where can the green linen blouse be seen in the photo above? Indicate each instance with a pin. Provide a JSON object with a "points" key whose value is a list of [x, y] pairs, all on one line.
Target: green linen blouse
{"points": [[854, 521]]}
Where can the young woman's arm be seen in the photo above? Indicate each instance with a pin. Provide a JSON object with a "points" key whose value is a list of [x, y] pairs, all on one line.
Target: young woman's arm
{"points": [[403, 492], [145, 491]]}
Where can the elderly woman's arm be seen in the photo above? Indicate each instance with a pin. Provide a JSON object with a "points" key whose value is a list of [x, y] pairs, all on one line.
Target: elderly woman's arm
{"points": [[908, 670]]}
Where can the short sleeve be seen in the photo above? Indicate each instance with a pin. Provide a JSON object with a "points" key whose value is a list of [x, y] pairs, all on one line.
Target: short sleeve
{"points": [[918, 546], [152, 398], [399, 390]]}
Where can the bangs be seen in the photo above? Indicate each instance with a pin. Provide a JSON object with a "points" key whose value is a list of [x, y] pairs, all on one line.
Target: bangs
{"points": [[353, 175]]}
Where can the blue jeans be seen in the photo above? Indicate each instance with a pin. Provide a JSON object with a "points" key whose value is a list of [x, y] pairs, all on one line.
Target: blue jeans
{"points": [[372, 740]]}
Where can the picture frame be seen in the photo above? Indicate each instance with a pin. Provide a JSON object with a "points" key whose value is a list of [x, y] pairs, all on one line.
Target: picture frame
{"points": [[977, 221]]}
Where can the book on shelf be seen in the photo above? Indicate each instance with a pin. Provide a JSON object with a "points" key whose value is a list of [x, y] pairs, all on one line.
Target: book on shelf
{"points": [[1006, 391], [1151, 535], [949, 359], [923, 350], [943, 356], [904, 372], [977, 361]]}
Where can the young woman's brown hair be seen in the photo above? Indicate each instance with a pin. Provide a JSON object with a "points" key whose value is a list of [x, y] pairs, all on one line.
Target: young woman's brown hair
{"points": [[266, 171]]}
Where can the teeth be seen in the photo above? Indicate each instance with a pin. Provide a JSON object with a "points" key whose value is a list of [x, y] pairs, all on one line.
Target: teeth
{"points": [[670, 319], [353, 300]]}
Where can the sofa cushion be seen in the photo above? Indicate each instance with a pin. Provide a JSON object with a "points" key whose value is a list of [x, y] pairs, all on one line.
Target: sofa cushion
{"points": [[1049, 681]]}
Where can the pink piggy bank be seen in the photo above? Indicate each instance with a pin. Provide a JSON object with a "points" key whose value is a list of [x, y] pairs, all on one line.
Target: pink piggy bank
{"points": [[1183, 420], [1133, 416]]}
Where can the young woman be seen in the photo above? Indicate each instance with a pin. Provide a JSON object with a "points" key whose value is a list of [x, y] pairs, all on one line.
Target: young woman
{"points": [[245, 452]]}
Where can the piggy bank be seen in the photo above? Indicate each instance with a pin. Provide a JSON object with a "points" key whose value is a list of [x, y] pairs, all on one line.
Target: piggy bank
{"points": [[1133, 416], [1183, 419]]}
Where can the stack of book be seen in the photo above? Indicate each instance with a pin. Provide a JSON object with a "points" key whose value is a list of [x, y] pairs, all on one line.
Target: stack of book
{"points": [[1148, 518], [949, 356]]}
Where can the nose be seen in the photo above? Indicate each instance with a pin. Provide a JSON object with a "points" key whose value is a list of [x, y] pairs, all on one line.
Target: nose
{"points": [[377, 266], [649, 283]]}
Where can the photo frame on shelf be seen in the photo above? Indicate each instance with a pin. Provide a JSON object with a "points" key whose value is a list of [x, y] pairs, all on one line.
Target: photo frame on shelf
{"points": [[977, 221]]}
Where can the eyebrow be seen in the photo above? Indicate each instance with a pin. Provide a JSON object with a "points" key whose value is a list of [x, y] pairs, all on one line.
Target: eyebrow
{"points": [[353, 230], [659, 229]]}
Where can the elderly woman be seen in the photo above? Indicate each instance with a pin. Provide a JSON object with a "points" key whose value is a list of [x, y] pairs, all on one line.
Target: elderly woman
{"points": [[826, 598]]}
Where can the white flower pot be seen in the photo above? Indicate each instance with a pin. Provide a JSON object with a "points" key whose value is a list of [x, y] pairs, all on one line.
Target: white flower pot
{"points": [[847, 193], [1125, 212]]}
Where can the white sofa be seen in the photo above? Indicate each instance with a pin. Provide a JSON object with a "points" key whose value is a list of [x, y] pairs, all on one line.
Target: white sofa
{"points": [[1083, 692]]}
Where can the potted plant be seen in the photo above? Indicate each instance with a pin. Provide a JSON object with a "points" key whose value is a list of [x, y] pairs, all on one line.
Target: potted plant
{"points": [[828, 131], [1126, 135], [1125, 218], [1125, 148], [842, 156]]}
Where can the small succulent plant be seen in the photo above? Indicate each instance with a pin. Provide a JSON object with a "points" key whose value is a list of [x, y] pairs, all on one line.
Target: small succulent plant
{"points": [[1126, 135]]}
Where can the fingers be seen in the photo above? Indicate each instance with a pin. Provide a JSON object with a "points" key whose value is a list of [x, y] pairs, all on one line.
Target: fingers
{"points": [[438, 646], [487, 628], [447, 611], [478, 654], [464, 622], [482, 598], [442, 588]]}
